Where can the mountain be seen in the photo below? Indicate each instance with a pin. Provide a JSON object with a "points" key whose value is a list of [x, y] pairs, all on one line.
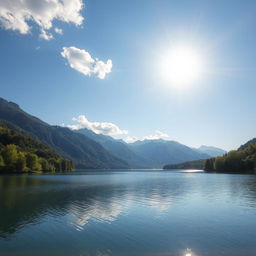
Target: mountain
{"points": [[250, 142], [100, 138], [242, 160], [90, 150], [162, 152], [118, 148], [22, 153], [211, 151], [85, 152], [147, 153]]}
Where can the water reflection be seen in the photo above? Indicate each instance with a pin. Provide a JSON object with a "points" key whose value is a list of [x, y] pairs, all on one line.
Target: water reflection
{"points": [[97, 211], [159, 202], [26, 200], [150, 213]]}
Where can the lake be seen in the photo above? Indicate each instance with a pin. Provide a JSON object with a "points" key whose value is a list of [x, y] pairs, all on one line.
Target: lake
{"points": [[105, 213]]}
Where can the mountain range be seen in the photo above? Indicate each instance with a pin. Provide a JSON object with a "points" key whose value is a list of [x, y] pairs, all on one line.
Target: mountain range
{"points": [[211, 151], [85, 152], [152, 153], [90, 150]]}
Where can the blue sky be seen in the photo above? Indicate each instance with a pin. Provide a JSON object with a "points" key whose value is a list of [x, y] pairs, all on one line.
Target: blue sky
{"points": [[218, 109]]}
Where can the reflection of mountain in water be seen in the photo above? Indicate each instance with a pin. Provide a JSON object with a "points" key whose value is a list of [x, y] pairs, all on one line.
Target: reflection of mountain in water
{"points": [[26, 200], [100, 198]]}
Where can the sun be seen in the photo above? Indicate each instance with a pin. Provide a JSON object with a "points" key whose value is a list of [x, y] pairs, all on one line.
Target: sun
{"points": [[181, 66]]}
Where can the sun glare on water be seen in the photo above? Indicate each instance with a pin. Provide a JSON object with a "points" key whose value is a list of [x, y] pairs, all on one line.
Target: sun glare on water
{"points": [[181, 66]]}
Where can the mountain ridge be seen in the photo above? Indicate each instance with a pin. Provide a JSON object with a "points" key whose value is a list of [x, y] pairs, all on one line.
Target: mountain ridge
{"points": [[147, 153], [90, 150], [84, 152], [211, 151]]}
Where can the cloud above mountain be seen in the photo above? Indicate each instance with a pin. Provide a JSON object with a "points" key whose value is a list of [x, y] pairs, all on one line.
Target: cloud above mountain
{"points": [[105, 128], [130, 139], [110, 129], [82, 61], [156, 136], [22, 15]]}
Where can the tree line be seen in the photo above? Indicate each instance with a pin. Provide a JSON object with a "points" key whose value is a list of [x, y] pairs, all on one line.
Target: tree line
{"points": [[236, 161], [22, 153]]}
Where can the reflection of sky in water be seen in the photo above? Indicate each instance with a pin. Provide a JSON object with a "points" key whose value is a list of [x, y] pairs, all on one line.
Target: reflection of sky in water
{"points": [[108, 211], [81, 214], [130, 213]]}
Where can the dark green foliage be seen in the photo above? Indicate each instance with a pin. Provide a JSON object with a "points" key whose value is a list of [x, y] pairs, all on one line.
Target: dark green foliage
{"points": [[21, 153], [1, 161], [197, 164], [33, 162], [84, 152], [21, 161], [209, 165], [242, 160], [9, 154], [250, 142]]}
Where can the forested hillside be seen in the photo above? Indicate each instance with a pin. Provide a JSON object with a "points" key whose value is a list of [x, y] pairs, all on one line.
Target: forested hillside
{"points": [[242, 160], [83, 151], [22, 153], [197, 164]]}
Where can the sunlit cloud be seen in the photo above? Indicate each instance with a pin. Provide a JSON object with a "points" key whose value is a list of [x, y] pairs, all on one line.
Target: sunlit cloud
{"points": [[82, 61], [110, 129], [105, 128], [58, 31], [130, 139], [21, 15], [156, 136], [45, 35]]}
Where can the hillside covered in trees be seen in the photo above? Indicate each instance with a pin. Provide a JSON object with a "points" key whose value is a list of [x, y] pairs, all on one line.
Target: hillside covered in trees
{"points": [[242, 160], [83, 151], [22, 153]]}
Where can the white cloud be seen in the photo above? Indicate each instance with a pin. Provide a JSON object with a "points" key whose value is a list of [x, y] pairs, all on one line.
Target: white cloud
{"points": [[81, 61], [58, 31], [158, 135], [78, 59], [18, 14], [130, 139], [45, 35], [102, 68], [97, 127]]}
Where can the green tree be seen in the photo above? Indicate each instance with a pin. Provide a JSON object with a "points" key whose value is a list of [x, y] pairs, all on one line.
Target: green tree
{"points": [[21, 162], [44, 164], [10, 155], [209, 165], [234, 161], [219, 163], [33, 162], [1, 161]]}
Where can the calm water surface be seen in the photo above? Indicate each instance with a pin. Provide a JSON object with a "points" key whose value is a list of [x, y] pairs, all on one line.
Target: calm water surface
{"points": [[128, 213]]}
